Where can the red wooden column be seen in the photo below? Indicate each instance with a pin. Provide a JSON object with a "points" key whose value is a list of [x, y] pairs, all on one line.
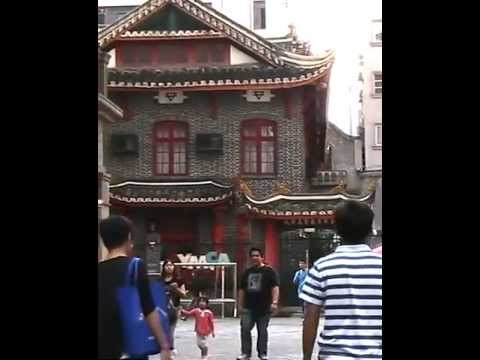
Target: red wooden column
{"points": [[218, 229], [272, 248], [242, 238]]}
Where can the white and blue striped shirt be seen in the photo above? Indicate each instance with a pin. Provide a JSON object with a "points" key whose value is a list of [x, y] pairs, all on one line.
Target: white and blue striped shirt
{"points": [[348, 285]]}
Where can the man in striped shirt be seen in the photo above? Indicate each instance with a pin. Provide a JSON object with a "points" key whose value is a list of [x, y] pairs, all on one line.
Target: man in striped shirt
{"points": [[347, 284]]}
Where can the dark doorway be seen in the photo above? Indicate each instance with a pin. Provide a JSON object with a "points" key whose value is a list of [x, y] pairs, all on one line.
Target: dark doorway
{"points": [[300, 244], [293, 247]]}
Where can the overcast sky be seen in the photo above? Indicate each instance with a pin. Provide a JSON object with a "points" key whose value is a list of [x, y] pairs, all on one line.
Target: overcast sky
{"points": [[342, 25]]}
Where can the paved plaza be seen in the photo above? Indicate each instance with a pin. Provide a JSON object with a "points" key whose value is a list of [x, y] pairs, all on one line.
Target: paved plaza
{"points": [[285, 340]]}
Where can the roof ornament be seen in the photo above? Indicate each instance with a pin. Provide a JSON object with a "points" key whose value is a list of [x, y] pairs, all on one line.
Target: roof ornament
{"points": [[242, 185], [372, 185], [292, 31], [281, 189], [341, 188]]}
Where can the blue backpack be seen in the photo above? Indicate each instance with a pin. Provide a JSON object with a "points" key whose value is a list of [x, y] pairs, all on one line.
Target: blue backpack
{"points": [[138, 339]]}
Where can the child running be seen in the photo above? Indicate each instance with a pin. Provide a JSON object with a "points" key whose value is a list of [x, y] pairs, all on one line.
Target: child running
{"points": [[203, 324]]}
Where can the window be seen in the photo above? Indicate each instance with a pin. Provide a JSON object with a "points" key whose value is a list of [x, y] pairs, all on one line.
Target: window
{"points": [[258, 147], [378, 135], [101, 16], [259, 20], [377, 84], [376, 33], [170, 153], [120, 14]]}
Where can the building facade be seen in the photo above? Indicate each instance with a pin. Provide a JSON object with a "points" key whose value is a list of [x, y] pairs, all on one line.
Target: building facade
{"points": [[371, 128], [224, 143], [372, 99], [108, 113]]}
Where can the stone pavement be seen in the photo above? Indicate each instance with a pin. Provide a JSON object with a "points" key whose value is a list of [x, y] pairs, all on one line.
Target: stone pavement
{"points": [[285, 340]]}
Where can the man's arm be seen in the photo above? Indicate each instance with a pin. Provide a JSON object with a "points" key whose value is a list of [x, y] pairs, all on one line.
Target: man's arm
{"points": [[275, 290], [153, 321], [241, 299], [310, 326], [313, 294], [275, 295]]}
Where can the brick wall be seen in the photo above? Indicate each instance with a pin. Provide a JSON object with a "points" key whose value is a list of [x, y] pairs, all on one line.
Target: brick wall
{"points": [[144, 111], [343, 154]]}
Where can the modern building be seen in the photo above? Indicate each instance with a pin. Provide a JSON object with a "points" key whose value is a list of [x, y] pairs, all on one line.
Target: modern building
{"points": [[371, 117], [371, 128]]}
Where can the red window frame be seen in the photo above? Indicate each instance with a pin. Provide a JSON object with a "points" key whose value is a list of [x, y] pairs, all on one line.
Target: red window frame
{"points": [[169, 141], [257, 138]]}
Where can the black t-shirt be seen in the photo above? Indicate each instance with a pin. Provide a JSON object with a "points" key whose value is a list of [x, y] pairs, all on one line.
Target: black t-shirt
{"points": [[172, 294], [257, 282], [111, 275]]}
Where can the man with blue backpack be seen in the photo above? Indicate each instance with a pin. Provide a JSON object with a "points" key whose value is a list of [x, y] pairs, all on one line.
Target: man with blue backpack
{"points": [[115, 282], [299, 279]]}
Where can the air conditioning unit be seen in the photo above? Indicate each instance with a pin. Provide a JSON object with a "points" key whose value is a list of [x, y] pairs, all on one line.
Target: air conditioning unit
{"points": [[124, 144], [209, 143]]}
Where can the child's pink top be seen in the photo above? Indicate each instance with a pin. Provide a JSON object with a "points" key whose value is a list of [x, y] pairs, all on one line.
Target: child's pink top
{"points": [[203, 320]]}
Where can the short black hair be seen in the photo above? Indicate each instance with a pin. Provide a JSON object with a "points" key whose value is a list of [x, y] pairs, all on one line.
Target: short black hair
{"points": [[353, 221], [114, 231], [302, 260], [203, 298], [255, 249]]}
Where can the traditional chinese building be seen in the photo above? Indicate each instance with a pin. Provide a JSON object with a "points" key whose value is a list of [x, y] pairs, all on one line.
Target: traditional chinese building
{"points": [[223, 147]]}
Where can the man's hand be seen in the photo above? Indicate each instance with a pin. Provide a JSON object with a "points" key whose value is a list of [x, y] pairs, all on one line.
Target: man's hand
{"points": [[213, 334], [274, 308], [242, 310], [166, 355]]}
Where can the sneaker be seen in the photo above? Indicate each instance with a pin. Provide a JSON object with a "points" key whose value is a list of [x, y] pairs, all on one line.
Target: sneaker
{"points": [[263, 357], [243, 357], [204, 358]]}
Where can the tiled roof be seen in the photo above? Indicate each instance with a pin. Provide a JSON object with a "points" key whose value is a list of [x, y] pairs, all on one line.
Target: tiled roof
{"points": [[246, 38], [107, 109], [298, 206], [177, 194], [194, 34], [228, 77]]}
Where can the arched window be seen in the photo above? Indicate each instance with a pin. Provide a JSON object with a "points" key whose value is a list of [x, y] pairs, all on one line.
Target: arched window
{"points": [[258, 146], [170, 148]]}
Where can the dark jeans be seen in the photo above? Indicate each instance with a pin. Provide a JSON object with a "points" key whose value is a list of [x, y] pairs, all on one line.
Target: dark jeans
{"points": [[247, 322]]}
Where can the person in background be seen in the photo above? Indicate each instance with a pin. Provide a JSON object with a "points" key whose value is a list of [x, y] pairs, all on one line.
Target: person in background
{"points": [[116, 233], [175, 290], [257, 300], [299, 279], [347, 284], [204, 327]]}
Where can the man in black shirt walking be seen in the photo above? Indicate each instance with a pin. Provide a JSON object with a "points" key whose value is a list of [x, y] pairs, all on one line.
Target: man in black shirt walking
{"points": [[116, 235], [257, 300]]}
